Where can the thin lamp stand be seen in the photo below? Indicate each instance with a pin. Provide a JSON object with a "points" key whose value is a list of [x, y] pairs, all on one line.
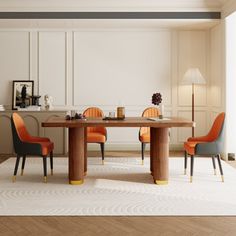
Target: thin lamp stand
{"points": [[193, 108]]}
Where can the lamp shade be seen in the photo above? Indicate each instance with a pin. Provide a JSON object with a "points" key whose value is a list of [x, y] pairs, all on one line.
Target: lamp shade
{"points": [[193, 76]]}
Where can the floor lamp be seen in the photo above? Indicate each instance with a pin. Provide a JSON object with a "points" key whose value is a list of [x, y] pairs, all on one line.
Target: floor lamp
{"points": [[193, 76]]}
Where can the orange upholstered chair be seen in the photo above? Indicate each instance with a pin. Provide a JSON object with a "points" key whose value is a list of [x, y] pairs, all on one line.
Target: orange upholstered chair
{"points": [[25, 144], [210, 145], [96, 134], [144, 132]]}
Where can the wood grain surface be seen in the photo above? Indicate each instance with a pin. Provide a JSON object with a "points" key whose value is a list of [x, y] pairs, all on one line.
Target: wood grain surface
{"points": [[128, 122]]}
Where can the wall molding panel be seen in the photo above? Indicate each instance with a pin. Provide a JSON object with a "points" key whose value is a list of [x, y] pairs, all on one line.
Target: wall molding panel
{"points": [[52, 65], [15, 53]]}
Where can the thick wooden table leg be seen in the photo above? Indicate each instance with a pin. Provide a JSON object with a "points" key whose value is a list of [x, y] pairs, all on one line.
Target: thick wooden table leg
{"points": [[85, 152], [76, 155], [160, 155], [152, 132]]}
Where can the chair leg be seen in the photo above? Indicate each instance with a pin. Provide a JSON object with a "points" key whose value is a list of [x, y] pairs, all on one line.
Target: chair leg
{"points": [[51, 162], [16, 168], [214, 164], [143, 151], [185, 162], [102, 145], [191, 170], [45, 169], [23, 165], [221, 170]]}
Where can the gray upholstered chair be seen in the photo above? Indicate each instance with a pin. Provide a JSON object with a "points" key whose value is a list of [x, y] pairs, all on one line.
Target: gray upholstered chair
{"points": [[210, 145]]}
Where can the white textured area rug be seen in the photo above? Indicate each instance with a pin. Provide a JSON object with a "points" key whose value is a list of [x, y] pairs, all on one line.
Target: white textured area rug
{"points": [[121, 187]]}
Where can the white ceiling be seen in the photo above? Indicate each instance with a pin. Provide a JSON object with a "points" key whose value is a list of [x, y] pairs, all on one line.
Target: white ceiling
{"points": [[108, 5], [113, 5]]}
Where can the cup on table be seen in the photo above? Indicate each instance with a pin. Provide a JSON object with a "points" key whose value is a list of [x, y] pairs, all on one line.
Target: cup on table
{"points": [[112, 114]]}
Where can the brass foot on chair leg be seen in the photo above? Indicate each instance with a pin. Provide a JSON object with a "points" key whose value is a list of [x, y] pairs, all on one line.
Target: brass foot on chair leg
{"points": [[45, 179], [103, 162], [13, 178], [185, 171], [22, 172], [51, 171], [85, 173], [222, 178], [191, 179], [214, 171], [142, 162]]}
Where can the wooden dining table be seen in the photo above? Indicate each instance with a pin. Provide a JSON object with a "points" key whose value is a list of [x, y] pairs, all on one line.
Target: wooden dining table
{"points": [[159, 142]]}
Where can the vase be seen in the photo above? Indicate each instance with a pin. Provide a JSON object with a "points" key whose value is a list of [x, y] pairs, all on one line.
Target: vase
{"points": [[161, 108]]}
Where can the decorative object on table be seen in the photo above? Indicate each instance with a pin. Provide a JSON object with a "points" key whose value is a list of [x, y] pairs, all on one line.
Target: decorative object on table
{"points": [[21, 92], [79, 116], [156, 100], [68, 117], [120, 112], [112, 114], [193, 76], [48, 102], [35, 100], [73, 115]]}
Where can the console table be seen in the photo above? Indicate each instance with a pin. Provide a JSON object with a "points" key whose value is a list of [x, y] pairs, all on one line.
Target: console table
{"points": [[159, 142]]}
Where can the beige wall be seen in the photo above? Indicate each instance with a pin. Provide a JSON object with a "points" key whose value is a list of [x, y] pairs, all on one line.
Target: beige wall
{"points": [[105, 66]]}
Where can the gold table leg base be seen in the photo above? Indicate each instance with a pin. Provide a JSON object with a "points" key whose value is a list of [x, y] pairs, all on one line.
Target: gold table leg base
{"points": [[13, 178], [45, 179], [76, 182], [161, 182], [222, 178]]}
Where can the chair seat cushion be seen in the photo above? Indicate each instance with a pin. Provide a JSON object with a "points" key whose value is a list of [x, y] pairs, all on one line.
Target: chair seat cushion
{"points": [[95, 137], [189, 147], [47, 147], [145, 138]]}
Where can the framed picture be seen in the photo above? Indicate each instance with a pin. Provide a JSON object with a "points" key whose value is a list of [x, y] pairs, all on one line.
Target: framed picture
{"points": [[21, 93]]}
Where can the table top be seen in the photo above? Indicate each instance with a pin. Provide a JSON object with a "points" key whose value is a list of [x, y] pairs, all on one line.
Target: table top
{"points": [[127, 122]]}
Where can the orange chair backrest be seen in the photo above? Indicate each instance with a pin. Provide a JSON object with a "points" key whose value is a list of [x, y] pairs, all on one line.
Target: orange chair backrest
{"points": [[216, 127], [20, 127], [149, 112], [95, 112]]}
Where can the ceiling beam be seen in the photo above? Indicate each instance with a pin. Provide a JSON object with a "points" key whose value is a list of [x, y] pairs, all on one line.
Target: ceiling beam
{"points": [[110, 15]]}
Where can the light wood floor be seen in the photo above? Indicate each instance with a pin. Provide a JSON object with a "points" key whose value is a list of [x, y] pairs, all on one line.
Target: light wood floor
{"points": [[118, 226]]}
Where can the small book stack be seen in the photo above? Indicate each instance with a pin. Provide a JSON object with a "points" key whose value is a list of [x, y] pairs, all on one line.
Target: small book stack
{"points": [[2, 108]]}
